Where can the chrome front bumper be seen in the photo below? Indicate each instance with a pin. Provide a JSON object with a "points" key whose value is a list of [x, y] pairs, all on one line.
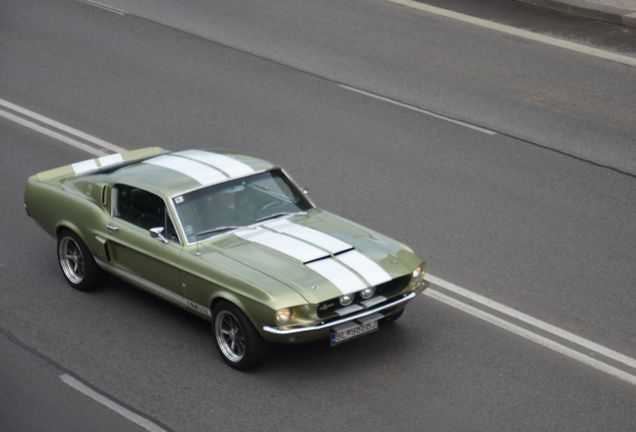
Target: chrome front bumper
{"points": [[330, 324]]}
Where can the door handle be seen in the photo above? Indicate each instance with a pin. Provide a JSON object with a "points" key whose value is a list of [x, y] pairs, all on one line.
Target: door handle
{"points": [[112, 227]]}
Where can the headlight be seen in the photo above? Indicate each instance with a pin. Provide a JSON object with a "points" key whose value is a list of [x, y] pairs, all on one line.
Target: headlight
{"points": [[418, 280], [418, 272], [283, 316], [367, 293], [345, 300]]}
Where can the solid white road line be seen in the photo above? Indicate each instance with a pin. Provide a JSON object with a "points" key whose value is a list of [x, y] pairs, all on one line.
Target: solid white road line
{"points": [[126, 413], [431, 292], [525, 34], [60, 126], [534, 337], [52, 134], [549, 328], [104, 7], [419, 110]]}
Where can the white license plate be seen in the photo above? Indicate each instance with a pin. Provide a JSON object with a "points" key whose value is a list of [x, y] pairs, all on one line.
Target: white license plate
{"points": [[340, 336]]}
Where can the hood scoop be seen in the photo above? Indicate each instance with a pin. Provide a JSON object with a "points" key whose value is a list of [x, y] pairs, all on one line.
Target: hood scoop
{"points": [[325, 257]]}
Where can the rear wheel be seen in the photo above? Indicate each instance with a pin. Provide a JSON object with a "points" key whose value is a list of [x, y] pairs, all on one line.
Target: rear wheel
{"points": [[237, 341], [77, 263]]}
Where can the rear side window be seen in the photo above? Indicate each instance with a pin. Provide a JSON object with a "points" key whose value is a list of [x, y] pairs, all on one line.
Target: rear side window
{"points": [[142, 208]]}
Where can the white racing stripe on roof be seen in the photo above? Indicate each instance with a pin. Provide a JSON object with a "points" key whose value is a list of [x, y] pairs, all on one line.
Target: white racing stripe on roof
{"points": [[84, 166], [232, 167], [288, 245], [320, 239], [202, 173], [365, 266], [110, 159], [93, 164], [343, 278]]}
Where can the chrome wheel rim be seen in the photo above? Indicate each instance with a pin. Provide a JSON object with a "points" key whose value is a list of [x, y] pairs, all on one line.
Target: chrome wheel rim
{"points": [[230, 336], [71, 260]]}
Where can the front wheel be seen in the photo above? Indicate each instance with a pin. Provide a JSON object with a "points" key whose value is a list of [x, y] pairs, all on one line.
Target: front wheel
{"points": [[238, 343], [77, 263]]}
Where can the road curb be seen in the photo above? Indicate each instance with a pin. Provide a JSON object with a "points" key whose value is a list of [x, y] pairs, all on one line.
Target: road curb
{"points": [[587, 9]]}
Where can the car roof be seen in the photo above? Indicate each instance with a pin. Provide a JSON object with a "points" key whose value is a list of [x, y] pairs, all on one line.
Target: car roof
{"points": [[174, 173]]}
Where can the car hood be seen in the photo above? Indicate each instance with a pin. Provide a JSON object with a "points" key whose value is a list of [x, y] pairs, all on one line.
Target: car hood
{"points": [[317, 254]]}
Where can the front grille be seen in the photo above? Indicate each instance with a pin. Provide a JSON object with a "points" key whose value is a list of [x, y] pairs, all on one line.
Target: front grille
{"points": [[327, 308], [388, 289], [393, 287]]}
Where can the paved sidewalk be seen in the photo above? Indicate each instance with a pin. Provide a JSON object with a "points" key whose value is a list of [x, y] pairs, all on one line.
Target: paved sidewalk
{"points": [[614, 11]]}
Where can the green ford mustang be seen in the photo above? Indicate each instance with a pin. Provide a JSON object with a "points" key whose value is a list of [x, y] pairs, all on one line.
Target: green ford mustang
{"points": [[229, 238]]}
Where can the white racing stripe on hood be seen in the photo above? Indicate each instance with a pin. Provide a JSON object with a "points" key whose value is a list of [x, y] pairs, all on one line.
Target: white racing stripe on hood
{"points": [[202, 173], [288, 245], [320, 239], [343, 278], [365, 266], [370, 271], [232, 167]]}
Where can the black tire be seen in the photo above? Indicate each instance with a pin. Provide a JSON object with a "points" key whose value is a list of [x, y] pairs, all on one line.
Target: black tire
{"points": [[236, 339], [393, 317], [77, 263]]}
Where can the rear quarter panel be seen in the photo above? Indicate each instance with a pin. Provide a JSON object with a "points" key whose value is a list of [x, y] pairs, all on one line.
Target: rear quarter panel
{"points": [[54, 207]]}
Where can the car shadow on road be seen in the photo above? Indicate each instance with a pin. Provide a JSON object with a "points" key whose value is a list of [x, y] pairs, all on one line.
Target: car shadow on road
{"points": [[403, 338], [385, 346]]}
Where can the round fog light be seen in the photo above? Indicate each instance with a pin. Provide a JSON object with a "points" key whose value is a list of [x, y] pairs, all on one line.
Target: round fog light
{"points": [[367, 293], [345, 300]]}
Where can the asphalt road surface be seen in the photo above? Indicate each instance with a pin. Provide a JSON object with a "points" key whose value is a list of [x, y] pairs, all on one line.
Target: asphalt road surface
{"points": [[520, 188]]}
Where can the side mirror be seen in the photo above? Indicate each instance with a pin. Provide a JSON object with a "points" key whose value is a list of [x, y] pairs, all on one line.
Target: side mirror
{"points": [[157, 232]]}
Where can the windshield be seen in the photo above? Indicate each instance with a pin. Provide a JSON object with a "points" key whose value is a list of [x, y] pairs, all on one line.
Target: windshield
{"points": [[236, 203]]}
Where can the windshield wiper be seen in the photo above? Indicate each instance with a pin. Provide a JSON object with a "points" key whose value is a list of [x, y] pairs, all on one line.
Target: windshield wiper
{"points": [[217, 229], [274, 215], [282, 197]]}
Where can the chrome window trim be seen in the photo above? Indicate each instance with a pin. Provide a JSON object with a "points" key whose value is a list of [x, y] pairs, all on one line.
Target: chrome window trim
{"points": [[172, 210], [284, 171], [113, 199]]}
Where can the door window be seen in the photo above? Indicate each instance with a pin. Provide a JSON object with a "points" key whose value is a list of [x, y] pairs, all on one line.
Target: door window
{"points": [[144, 209]]}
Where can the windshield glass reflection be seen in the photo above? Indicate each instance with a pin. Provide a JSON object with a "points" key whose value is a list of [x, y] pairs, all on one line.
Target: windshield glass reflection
{"points": [[236, 203]]}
